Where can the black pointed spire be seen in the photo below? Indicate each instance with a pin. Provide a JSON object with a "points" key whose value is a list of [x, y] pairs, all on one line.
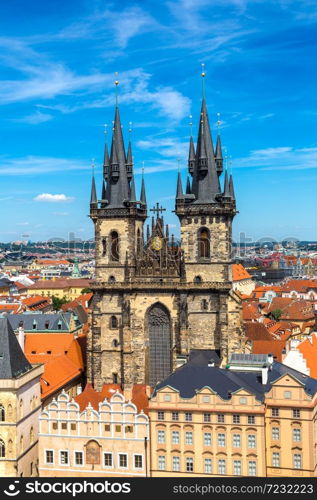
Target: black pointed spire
{"points": [[13, 362], [117, 182], [147, 233], [129, 162], [143, 195], [226, 191], [219, 159], [93, 195], [191, 156], [106, 163], [179, 191], [205, 184], [231, 188], [132, 191], [188, 188]]}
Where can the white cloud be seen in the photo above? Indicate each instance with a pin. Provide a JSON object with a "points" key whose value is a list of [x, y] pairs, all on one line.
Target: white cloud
{"points": [[42, 165], [52, 198], [280, 158], [60, 214], [23, 223], [35, 118]]}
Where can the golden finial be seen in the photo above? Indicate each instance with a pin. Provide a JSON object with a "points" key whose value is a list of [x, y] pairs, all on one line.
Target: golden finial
{"points": [[191, 125], [142, 168], [116, 84], [178, 161], [218, 123], [130, 129], [93, 166], [203, 74]]}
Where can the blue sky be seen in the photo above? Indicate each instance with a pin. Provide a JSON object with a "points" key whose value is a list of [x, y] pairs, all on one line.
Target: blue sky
{"points": [[58, 62]]}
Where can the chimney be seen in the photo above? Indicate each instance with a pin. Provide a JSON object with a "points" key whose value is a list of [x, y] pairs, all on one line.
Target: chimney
{"points": [[264, 372], [270, 358], [21, 337]]}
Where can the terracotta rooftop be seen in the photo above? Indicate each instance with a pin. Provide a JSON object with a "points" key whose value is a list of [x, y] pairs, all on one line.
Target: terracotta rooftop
{"points": [[257, 331], [250, 311], [240, 273], [60, 283], [309, 352], [300, 285], [274, 347]]}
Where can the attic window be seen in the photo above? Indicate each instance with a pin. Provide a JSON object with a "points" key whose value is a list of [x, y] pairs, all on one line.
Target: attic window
{"points": [[21, 324], [34, 325], [48, 352], [33, 352], [1, 355], [47, 325], [65, 352]]}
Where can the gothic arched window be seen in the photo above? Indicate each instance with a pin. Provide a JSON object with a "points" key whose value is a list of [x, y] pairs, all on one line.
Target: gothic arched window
{"points": [[114, 246], [111, 279], [2, 449], [104, 246], [2, 414], [114, 322], [203, 243], [197, 279], [138, 242]]}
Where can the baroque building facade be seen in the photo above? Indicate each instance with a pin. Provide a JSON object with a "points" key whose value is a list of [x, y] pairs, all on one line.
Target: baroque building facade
{"points": [[155, 300]]}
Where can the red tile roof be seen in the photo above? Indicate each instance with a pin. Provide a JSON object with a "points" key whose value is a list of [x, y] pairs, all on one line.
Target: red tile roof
{"points": [[257, 331], [300, 285], [60, 283], [250, 311], [274, 347], [240, 273], [309, 352]]}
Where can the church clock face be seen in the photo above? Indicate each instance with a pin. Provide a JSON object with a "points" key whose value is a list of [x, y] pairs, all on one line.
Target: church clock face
{"points": [[157, 243]]}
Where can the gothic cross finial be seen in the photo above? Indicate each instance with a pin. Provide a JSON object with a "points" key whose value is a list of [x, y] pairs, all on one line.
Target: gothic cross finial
{"points": [[218, 123], [158, 210], [191, 125], [203, 74], [116, 84]]}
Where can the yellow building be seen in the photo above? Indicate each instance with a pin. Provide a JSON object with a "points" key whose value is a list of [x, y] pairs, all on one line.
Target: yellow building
{"points": [[256, 417], [68, 288], [20, 406], [94, 436]]}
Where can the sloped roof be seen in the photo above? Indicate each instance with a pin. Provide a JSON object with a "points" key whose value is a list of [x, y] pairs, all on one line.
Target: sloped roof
{"points": [[189, 379], [257, 331], [61, 283], [240, 273], [309, 352], [274, 347], [53, 320], [13, 362]]}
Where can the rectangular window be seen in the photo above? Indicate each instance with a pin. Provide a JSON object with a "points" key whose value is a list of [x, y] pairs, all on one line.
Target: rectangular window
{"points": [[221, 466], [108, 459], [189, 464], [176, 464], [275, 412], [160, 415], [251, 441], [296, 413], [73, 427], [107, 428], [64, 457], [236, 440], [251, 419], [296, 435], [220, 418], [175, 416], [123, 460], [275, 433], [64, 426], [188, 416], [207, 417], [55, 426], [252, 468], [118, 428], [237, 467], [175, 437], [207, 438], [221, 440], [129, 429], [161, 437], [207, 466], [275, 459], [188, 438], [161, 462], [79, 459], [236, 419], [297, 460], [49, 456], [138, 461]]}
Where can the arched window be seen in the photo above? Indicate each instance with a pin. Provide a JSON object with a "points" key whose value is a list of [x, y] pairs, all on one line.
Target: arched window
{"points": [[2, 449], [138, 241], [111, 279], [203, 243], [197, 279], [10, 446], [115, 378], [2, 413], [92, 452], [115, 343], [9, 411], [104, 246], [31, 435], [114, 322], [114, 246], [21, 408]]}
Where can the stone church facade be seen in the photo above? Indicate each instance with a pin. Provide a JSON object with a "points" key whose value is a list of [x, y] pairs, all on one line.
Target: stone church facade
{"points": [[154, 299]]}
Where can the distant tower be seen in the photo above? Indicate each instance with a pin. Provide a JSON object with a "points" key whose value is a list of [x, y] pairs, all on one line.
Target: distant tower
{"points": [[20, 406]]}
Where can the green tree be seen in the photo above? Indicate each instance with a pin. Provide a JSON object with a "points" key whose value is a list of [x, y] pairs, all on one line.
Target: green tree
{"points": [[276, 314], [86, 290], [57, 302]]}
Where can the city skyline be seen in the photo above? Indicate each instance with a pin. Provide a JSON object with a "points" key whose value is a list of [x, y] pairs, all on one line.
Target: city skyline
{"points": [[57, 92]]}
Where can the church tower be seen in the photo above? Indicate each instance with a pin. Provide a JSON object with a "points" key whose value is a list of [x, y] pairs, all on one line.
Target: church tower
{"points": [[206, 212], [155, 300]]}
